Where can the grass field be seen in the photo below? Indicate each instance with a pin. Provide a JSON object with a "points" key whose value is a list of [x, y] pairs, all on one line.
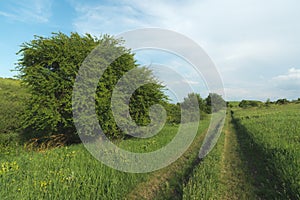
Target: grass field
{"points": [[203, 183], [256, 157], [274, 133], [71, 172]]}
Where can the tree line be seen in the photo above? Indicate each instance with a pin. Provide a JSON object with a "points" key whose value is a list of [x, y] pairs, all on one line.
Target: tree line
{"points": [[252, 103]]}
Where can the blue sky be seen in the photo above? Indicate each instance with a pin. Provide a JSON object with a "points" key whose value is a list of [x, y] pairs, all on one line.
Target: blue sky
{"points": [[254, 44]]}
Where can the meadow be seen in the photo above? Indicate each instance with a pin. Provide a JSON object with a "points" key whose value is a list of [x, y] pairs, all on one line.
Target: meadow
{"points": [[274, 133], [256, 157], [72, 173]]}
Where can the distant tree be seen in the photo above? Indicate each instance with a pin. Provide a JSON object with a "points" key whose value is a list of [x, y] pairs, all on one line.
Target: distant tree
{"points": [[228, 104], [250, 103], [282, 101], [191, 100], [215, 102], [48, 67], [189, 104], [268, 102]]}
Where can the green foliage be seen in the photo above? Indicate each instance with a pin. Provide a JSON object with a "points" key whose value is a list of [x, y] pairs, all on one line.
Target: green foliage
{"points": [[48, 66], [143, 98], [268, 102], [9, 140], [282, 101], [215, 103], [250, 103], [189, 104], [12, 98], [174, 113], [187, 107], [233, 104]]}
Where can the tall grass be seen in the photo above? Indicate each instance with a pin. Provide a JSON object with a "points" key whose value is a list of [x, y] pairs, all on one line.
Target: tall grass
{"points": [[204, 182], [275, 134], [71, 172], [63, 173]]}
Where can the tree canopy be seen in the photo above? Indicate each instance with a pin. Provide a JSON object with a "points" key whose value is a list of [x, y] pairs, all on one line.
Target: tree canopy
{"points": [[48, 67], [215, 102]]}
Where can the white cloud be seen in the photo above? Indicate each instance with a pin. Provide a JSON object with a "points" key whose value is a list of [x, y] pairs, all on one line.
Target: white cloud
{"points": [[29, 11], [246, 39], [106, 18], [191, 82], [5, 14], [289, 82], [292, 75], [257, 92]]}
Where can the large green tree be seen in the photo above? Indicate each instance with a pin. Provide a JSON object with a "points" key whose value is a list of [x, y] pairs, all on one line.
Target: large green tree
{"points": [[191, 100], [215, 102], [48, 67]]}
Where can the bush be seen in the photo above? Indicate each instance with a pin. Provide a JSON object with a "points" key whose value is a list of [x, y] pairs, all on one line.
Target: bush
{"points": [[282, 101], [249, 103], [48, 66], [215, 103]]}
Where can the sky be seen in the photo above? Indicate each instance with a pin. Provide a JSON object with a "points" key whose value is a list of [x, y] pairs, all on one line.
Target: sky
{"points": [[254, 44]]}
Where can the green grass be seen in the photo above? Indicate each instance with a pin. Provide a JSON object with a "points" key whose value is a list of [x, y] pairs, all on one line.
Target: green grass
{"points": [[62, 173], [12, 97], [204, 180], [257, 159], [150, 144], [263, 156], [274, 142], [166, 183], [233, 104], [71, 172], [236, 179]]}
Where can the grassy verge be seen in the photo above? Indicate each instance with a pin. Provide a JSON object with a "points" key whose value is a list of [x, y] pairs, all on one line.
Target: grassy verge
{"points": [[167, 182], [204, 180]]}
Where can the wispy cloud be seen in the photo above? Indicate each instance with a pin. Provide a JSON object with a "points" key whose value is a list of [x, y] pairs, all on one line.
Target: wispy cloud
{"points": [[246, 39], [38, 11], [292, 75], [5, 14], [289, 82], [111, 18]]}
